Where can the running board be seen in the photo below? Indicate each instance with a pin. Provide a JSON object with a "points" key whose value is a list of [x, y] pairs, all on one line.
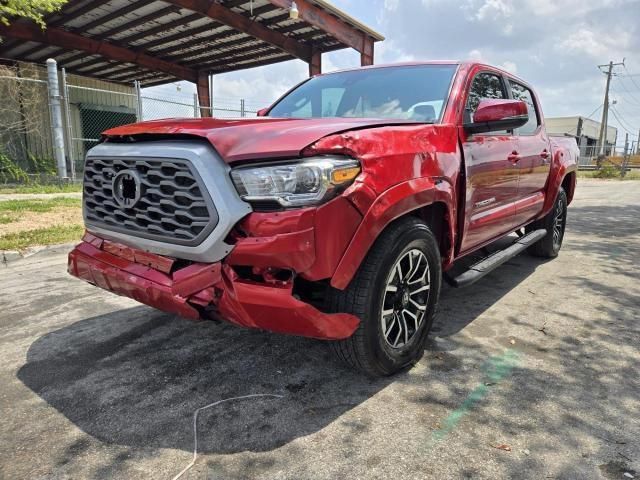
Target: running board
{"points": [[493, 261]]}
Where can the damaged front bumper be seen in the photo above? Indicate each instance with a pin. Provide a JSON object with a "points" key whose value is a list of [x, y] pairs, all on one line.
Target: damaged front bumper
{"points": [[201, 291]]}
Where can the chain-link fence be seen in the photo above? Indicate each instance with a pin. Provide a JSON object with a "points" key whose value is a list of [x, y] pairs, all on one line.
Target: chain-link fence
{"points": [[89, 107], [622, 159], [26, 144], [154, 107], [89, 111]]}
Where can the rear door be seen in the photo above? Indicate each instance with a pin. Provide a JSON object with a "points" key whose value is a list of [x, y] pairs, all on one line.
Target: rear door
{"points": [[491, 174], [534, 160]]}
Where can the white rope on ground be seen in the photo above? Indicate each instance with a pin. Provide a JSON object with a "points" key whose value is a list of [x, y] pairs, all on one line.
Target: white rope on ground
{"points": [[195, 425]]}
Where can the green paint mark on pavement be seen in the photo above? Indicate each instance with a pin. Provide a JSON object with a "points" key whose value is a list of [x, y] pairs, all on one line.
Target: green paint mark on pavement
{"points": [[494, 369]]}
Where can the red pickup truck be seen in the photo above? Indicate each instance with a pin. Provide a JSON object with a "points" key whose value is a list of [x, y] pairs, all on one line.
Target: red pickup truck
{"points": [[337, 213]]}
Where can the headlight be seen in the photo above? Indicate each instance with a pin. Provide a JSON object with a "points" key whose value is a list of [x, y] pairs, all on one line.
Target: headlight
{"points": [[307, 182]]}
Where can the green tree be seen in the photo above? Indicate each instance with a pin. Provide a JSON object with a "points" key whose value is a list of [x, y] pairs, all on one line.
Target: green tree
{"points": [[32, 9]]}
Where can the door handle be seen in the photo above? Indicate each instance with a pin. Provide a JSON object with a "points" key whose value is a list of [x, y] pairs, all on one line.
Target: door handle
{"points": [[513, 157], [545, 154]]}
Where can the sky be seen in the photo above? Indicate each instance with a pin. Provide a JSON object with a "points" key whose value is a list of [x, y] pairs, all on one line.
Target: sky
{"points": [[556, 45]]}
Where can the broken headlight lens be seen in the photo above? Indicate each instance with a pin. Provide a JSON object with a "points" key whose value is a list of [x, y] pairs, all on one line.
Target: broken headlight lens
{"points": [[307, 182]]}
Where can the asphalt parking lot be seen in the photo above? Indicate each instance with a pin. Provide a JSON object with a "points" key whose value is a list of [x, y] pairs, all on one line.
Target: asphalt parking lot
{"points": [[532, 373]]}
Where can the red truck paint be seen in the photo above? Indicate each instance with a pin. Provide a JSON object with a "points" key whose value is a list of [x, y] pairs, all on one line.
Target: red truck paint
{"points": [[244, 303], [248, 139], [405, 167]]}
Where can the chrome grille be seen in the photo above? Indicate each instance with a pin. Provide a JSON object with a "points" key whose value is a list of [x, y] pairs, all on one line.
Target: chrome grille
{"points": [[171, 206]]}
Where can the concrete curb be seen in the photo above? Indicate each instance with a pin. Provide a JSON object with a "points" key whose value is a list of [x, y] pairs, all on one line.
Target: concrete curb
{"points": [[11, 256]]}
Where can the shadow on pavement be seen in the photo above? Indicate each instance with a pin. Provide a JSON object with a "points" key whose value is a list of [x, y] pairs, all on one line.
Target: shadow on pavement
{"points": [[134, 377], [459, 307]]}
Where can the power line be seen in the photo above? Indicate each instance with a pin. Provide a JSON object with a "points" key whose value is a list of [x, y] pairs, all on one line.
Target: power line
{"points": [[594, 112], [623, 124], [630, 76], [621, 83], [632, 112]]}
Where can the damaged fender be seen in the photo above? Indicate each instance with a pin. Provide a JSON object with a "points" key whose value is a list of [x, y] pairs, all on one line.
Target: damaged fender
{"points": [[399, 200]]}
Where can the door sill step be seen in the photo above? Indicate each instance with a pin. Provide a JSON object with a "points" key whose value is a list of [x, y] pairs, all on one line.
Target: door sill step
{"points": [[493, 261]]}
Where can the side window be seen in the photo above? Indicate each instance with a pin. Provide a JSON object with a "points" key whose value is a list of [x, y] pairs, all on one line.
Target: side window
{"points": [[485, 85], [519, 92]]}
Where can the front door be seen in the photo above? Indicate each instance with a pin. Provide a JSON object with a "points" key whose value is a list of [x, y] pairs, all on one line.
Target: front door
{"points": [[491, 172], [534, 161]]}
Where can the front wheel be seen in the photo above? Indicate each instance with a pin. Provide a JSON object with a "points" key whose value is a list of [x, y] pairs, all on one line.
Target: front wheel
{"points": [[394, 293], [554, 222]]}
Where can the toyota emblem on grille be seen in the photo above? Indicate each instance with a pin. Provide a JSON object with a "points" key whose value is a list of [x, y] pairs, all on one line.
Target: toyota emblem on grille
{"points": [[126, 188]]}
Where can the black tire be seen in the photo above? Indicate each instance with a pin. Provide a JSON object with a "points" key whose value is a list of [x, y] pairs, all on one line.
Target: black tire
{"points": [[554, 222], [368, 349]]}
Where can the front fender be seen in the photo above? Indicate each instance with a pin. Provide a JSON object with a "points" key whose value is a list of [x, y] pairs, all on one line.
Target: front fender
{"points": [[393, 203]]}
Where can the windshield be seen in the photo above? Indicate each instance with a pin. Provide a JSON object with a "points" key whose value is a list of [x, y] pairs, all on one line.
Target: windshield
{"points": [[413, 93]]}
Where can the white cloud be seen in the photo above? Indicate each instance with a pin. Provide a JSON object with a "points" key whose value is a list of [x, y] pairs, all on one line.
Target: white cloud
{"points": [[571, 8], [494, 9], [260, 85], [391, 5], [509, 67], [587, 41], [475, 55], [389, 52]]}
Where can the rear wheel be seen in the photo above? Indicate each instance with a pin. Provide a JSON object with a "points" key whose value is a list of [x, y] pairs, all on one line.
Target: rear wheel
{"points": [[554, 222], [394, 293]]}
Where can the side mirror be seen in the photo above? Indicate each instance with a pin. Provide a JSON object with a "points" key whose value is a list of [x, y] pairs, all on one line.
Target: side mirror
{"points": [[498, 114], [262, 112]]}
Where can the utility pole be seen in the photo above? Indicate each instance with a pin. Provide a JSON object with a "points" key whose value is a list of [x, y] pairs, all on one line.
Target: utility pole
{"points": [[605, 110], [623, 172]]}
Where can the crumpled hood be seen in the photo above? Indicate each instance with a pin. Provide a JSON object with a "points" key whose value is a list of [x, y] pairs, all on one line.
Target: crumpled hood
{"points": [[255, 138]]}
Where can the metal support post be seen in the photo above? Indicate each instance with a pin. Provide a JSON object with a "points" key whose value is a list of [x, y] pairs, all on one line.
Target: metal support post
{"points": [[136, 85], [56, 117], [67, 117]]}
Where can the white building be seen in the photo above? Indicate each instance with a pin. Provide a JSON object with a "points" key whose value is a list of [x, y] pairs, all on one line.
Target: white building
{"points": [[586, 132]]}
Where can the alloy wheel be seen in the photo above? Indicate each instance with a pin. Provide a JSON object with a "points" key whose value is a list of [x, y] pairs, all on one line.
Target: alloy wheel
{"points": [[406, 296], [558, 224]]}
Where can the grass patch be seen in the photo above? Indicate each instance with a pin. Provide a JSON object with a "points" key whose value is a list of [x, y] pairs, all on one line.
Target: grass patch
{"points": [[631, 175], [6, 218], [37, 205], [41, 236], [62, 188]]}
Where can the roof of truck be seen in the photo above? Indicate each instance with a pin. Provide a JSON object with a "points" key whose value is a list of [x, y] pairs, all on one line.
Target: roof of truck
{"points": [[416, 63]]}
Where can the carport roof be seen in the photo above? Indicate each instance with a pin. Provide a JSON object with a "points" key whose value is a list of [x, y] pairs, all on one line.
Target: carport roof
{"points": [[161, 41]]}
